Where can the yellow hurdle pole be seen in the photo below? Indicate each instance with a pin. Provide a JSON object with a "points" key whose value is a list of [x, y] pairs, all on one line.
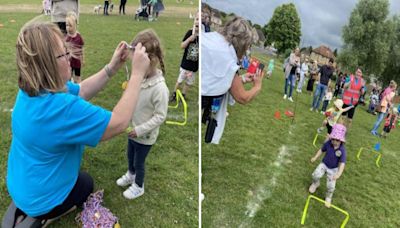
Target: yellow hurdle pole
{"points": [[359, 153], [315, 140], [303, 219], [378, 159], [179, 98]]}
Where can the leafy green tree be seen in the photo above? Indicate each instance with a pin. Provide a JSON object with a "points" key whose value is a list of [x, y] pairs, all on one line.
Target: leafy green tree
{"points": [[392, 69], [284, 28], [366, 37]]}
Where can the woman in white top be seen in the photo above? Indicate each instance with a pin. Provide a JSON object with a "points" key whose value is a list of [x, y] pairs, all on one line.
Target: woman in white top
{"points": [[221, 52]]}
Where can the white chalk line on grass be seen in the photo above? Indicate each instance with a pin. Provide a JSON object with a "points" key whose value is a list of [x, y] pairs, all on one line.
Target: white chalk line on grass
{"points": [[264, 190]]}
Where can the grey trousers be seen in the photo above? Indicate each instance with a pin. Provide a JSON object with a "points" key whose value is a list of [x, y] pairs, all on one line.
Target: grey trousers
{"points": [[330, 183]]}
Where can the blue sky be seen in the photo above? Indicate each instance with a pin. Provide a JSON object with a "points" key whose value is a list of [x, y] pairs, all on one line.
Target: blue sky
{"points": [[322, 20]]}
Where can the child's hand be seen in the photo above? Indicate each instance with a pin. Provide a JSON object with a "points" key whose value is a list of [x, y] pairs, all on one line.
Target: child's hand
{"points": [[313, 159], [335, 177], [132, 134]]}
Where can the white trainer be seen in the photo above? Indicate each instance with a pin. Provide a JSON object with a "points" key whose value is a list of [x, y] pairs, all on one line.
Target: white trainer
{"points": [[328, 202], [126, 179], [290, 99], [313, 187], [284, 97], [134, 191]]}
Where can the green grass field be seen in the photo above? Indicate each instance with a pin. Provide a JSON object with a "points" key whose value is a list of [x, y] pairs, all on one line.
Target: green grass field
{"points": [[259, 174], [171, 198]]}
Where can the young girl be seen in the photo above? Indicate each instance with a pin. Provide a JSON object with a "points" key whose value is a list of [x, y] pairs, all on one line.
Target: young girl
{"points": [[270, 68], [333, 115], [327, 98], [390, 122], [332, 164], [150, 113], [75, 41]]}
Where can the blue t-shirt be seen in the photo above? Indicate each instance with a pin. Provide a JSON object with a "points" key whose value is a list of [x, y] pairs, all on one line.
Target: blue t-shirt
{"points": [[332, 156], [49, 135]]}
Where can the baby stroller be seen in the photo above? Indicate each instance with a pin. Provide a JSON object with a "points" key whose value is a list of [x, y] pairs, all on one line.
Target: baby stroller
{"points": [[141, 13]]}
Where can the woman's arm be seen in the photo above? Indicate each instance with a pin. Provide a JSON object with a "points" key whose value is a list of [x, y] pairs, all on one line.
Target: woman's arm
{"points": [[95, 83], [125, 107], [240, 94]]}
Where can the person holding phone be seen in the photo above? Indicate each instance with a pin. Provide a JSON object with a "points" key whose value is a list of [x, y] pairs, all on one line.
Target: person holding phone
{"points": [[221, 52]]}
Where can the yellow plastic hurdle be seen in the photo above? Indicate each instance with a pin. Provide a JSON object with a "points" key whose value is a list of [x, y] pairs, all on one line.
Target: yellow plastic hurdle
{"points": [[315, 140], [376, 152], [303, 218], [179, 97]]}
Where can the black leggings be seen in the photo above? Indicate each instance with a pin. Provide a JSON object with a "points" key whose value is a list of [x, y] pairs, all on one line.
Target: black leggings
{"points": [[122, 6], [78, 195]]}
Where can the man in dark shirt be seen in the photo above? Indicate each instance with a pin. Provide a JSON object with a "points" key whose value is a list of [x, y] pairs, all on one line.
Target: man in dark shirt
{"points": [[325, 72]]}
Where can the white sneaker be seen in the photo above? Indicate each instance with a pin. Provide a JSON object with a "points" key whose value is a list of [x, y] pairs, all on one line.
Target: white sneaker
{"points": [[134, 191], [290, 99], [284, 97], [328, 202], [311, 109], [322, 112], [313, 187], [126, 179]]}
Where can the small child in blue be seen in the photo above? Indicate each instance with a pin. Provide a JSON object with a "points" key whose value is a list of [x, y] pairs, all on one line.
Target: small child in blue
{"points": [[332, 164]]}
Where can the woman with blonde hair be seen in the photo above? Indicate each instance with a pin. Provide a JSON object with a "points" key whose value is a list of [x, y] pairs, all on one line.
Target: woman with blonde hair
{"points": [[53, 121], [385, 104], [221, 52]]}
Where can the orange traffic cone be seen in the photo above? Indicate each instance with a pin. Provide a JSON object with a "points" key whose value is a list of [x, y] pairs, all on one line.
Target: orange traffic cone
{"points": [[277, 115]]}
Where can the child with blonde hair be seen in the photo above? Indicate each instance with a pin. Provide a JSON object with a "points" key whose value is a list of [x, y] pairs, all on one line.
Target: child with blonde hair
{"points": [[332, 164], [333, 116], [150, 113], [75, 42], [327, 99]]}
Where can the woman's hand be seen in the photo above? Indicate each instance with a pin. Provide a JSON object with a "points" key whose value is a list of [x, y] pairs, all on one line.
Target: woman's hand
{"points": [[258, 77], [140, 61], [119, 57]]}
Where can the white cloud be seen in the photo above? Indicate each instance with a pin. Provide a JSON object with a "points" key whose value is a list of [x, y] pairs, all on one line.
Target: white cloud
{"points": [[321, 20]]}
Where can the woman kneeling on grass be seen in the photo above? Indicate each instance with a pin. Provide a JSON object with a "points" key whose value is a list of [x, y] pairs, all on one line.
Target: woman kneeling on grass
{"points": [[53, 121]]}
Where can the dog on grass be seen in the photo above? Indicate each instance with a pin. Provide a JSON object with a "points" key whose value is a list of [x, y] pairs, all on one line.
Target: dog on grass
{"points": [[97, 9]]}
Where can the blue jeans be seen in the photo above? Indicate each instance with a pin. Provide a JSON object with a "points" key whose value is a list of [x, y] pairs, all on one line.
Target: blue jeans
{"points": [[319, 93], [137, 154], [378, 122], [291, 79]]}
